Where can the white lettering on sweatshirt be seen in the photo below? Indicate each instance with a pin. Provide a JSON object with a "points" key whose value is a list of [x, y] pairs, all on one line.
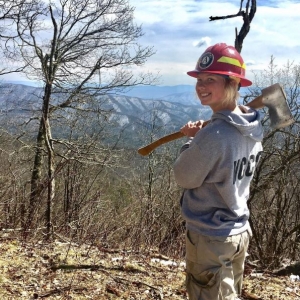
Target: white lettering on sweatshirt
{"points": [[245, 166]]}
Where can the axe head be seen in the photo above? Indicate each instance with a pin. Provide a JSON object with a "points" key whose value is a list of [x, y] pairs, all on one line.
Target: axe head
{"points": [[274, 99]]}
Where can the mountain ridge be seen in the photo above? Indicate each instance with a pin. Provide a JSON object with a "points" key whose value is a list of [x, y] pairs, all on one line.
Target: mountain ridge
{"points": [[20, 103]]}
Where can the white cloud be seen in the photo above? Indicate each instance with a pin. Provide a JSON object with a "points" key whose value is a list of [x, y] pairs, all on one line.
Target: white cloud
{"points": [[205, 41], [180, 31]]}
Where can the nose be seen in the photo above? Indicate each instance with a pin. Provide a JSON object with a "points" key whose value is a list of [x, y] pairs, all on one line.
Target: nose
{"points": [[200, 85]]}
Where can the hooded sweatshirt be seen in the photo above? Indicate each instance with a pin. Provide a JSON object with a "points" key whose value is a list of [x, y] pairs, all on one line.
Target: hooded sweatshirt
{"points": [[215, 168]]}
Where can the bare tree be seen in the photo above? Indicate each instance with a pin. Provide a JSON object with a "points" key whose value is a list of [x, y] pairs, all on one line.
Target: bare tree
{"points": [[247, 14], [154, 217], [9, 9], [80, 50]]}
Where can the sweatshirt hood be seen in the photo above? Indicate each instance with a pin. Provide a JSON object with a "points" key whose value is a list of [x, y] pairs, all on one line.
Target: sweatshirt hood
{"points": [[248, 122]]}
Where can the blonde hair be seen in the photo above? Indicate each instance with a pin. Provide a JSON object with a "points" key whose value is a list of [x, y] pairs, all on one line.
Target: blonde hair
{"points": [[231, 90]]}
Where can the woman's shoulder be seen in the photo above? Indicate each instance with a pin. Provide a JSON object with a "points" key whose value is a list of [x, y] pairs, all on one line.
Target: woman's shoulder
{"points": [[217, 128]]}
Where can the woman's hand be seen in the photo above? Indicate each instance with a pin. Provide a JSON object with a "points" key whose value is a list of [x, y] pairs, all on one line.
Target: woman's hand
{"points": [[191, 128]]}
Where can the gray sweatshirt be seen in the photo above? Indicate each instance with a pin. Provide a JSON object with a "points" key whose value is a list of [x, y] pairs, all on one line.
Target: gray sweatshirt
{"points": [[215, 168]]}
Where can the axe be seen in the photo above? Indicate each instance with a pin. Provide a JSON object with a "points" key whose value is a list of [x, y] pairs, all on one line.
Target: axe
{"points": [[273, 97]]}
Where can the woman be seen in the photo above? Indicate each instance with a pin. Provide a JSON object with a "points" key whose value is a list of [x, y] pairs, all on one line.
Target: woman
{"points": [[215, 168]]}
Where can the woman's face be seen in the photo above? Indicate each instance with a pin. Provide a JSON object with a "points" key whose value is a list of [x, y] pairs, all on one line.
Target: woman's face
{"points": [[210, 89]]}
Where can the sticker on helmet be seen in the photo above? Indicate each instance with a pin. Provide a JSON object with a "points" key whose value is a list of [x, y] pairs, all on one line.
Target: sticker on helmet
{"points": [[206, 60]]}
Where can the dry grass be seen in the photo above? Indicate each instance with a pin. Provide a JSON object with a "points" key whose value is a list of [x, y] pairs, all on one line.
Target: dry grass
{"points": [[62, 270]]}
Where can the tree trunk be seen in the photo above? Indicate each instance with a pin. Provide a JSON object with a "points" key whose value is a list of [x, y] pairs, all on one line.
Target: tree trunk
{"points": [[36, 176], [44, 143], [51, 179]]}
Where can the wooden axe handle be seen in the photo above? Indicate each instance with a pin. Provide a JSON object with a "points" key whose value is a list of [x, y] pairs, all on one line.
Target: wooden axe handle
{"points": [[255, 104], [163, 140]]}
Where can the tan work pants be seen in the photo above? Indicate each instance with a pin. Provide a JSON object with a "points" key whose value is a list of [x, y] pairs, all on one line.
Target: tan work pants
{"points": [[215, 265]]}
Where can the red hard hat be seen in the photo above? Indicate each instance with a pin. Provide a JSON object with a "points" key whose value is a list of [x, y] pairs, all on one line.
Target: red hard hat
{"points": [[224, 60]]}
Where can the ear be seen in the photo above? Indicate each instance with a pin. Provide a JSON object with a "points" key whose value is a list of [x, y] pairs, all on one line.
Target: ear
{"points": [[234, 83]]}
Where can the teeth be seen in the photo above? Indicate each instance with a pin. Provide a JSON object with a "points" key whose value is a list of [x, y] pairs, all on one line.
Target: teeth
{"points": [[203, 95]]}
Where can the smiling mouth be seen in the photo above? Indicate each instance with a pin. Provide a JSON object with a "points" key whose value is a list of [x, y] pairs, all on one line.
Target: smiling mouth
{"points": [[204, 94]]}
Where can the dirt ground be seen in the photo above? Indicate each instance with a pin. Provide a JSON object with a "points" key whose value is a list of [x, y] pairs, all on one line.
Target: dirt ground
{"points": [[62, 270]]}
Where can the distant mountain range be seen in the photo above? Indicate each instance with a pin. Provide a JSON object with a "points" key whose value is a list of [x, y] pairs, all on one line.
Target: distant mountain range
{"points": [[184, 94], [169, 107]]}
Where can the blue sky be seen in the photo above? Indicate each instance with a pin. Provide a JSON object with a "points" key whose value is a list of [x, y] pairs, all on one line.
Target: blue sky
{"points": [[180, 30]]}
